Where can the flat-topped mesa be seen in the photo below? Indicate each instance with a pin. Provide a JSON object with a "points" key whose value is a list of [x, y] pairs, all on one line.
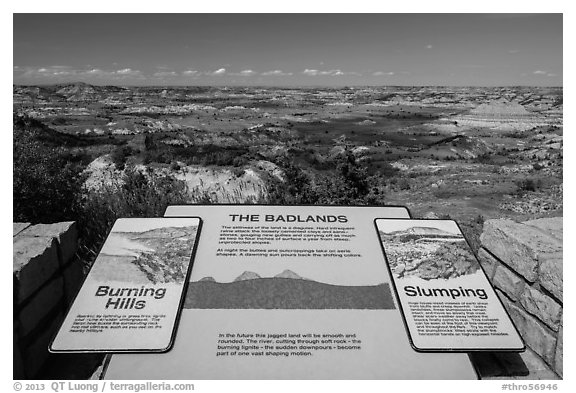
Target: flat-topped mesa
{"points": [[500, 108], [502, 114]]}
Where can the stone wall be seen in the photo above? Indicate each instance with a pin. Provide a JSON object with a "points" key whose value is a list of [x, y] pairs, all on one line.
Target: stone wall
{"points": [[524, 263], [46, 279]]}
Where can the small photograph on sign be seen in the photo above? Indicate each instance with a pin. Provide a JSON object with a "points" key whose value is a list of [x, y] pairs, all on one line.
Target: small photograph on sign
{"points": [[447, 302], [132, 296]]}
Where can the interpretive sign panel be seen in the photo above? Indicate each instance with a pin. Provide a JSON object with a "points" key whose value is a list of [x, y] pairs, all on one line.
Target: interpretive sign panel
{"points": [[445, 297], [290, 292], [132, 296]]}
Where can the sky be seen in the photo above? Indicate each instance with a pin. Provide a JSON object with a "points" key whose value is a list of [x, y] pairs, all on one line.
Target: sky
{"points": [[289, 49]]}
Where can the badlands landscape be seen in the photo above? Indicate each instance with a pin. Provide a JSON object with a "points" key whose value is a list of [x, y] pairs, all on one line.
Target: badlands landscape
{"points": [[428, 253], [469, 154]]}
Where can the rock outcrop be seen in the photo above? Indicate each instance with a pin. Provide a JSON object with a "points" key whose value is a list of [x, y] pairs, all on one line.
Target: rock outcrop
{"points": [[524, 263]]}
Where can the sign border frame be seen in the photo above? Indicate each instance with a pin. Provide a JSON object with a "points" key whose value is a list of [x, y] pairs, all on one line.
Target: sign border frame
{"points": [[450, 350], [178, 311], [280, 205]]}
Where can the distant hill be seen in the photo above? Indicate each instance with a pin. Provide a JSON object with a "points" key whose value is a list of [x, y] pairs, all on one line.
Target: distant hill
{"points": [[286, 293], [289, 274], [77, 91], [500, 107], [247, 276], [25, 126]]}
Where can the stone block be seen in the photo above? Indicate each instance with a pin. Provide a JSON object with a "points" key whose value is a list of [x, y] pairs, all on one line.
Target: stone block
{"points": [[552, 226], [36, 353], [508, 281], [18, 371], [551, 276], [40, 305], [73, 275], [558, 362], [35, 260], [488, 263], [541, 306], [519, 246], [65, 233], [18, 227], [537, 336], [502, 297], [539, 370]]}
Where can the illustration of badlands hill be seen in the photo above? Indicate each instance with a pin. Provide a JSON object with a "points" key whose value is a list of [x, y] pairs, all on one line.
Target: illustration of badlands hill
{"points": [[429, 253], [286, 290], [160, 255]]}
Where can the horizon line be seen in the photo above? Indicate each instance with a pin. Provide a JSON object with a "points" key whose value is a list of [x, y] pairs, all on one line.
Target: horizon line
{"points": [[277, 86]]}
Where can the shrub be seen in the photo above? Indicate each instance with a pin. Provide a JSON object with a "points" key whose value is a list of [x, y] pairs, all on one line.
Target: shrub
{"points": [[484, 158], [239, 161], [387, 170], [472, 230], [175, 166], [404, 184], [121, 154], [528, 185], [45, 183], [295, 190], [150, 143], [349, 184], [238, 172], [136, 194]]}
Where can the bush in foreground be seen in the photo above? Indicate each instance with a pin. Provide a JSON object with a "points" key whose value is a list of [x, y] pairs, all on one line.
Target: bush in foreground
{"points": [[46, 182], [349, 184], [135, 194]]}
